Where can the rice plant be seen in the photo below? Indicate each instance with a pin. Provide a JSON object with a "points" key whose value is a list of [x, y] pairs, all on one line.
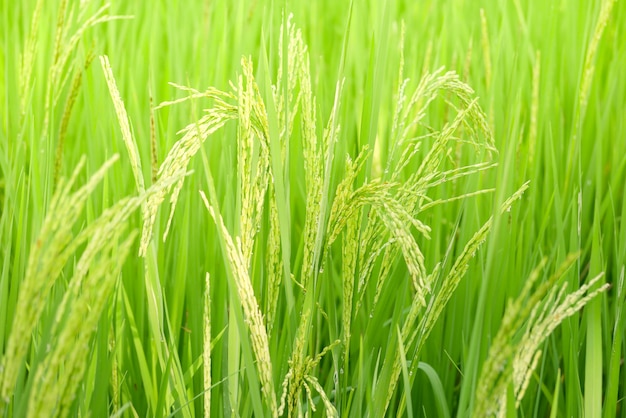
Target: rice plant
{"points": [[312, 209]]}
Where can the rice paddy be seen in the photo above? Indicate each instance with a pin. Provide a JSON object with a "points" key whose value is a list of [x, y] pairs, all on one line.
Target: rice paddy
{"points": [[257, 208]]}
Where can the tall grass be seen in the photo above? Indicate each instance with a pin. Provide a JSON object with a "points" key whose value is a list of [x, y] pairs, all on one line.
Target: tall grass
{"points": [[312, 209]]}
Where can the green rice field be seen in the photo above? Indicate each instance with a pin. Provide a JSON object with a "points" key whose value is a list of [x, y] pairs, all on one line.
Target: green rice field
{"points": [[263, 208]]}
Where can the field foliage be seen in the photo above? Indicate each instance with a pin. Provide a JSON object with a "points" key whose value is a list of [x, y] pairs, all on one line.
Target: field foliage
{"points": [[324, 208]]}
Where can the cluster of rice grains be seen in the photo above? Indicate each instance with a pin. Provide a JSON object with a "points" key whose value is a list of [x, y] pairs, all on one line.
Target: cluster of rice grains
{"points": [[375, 219], [513, 357], [372, 214]]}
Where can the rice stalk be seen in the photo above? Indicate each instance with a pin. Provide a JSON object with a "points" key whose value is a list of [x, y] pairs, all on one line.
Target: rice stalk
{"points": [[513, 360], [49, 255], [252, 313], [154, 157], [273, 263], [486, 47], [115, 379], [589, 67], [587, 77], [67, 45], [313, 151], [54, 246], [297, 379], [27, 59], [468, 61], [252, 184], [206, 353], [59, 375], [124, 123], [294, 379], [64, 46], [412, 193], [67, 112], [349, 248], [534, 109], [181, 153], [284, 89], [439, 299], [331, 411]]}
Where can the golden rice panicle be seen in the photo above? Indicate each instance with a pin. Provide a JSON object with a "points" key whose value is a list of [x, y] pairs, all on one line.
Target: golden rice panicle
{"points": [[93, 272], [427, 91], [389, 212], [433, 159], [49, 254], [98, 233], [311, 381], [397, 220], [252, 313], [389, 252], [469, 117], [60, 29]]}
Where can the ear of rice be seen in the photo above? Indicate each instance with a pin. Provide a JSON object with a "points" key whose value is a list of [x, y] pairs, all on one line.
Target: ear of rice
{"points": [[253, 184], [178, 158], [588, 72], [331, 412], [59, 376], [274, 264], [122, 118], [252, 313], [349, 248], [94, 275], [27, 59], [513, 359], [438, 300], [53, 248], [67, 111]]}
